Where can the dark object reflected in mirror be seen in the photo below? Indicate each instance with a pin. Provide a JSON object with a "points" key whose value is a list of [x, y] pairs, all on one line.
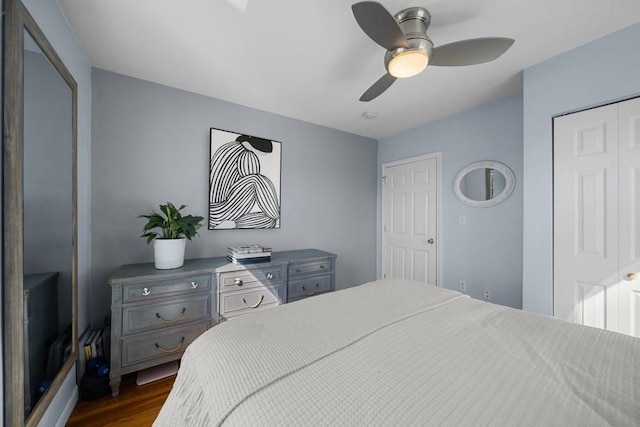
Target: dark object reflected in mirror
{"points": [[484, 184], [39, 219]]}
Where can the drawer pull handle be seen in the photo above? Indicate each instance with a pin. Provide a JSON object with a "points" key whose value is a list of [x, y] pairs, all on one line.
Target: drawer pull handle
{"points": [[171, 350], [194, 285], [146, 292], [255, 305], [313, 292], [322, 267], [175, 319], [269, 276], [238, 282], [297, 270]]}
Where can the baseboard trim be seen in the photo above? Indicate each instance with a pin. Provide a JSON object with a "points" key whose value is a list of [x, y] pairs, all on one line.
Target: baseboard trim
{"points": [[68, 409], [61, 407]]}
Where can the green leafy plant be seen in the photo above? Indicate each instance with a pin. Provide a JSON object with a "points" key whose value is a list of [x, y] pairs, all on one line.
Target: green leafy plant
{"points": [[171, 224]]}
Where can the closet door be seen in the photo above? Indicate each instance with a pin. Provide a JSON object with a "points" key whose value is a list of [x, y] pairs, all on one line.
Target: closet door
{"points": [[585, 227], [629, 131], [597, 217]]}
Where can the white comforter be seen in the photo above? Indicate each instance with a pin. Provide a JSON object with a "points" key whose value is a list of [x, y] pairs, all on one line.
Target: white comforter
{"points": [[403, 353]]}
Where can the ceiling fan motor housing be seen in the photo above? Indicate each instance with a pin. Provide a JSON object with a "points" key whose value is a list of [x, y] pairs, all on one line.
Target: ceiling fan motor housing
{"points": [[413, 22]]}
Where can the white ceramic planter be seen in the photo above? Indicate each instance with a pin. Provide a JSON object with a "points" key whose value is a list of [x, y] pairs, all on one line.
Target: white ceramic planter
{"points": [[169, 253]]}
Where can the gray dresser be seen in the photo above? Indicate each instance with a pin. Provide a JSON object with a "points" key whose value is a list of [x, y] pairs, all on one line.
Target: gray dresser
{"points": [[156, 314]]}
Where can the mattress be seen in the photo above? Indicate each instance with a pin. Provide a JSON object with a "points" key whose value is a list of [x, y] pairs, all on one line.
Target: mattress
{"points": [[396, 352]]}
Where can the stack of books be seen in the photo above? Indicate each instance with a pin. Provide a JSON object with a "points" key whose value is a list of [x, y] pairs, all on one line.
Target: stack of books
{"points": [[95, 343], [248, 254]]}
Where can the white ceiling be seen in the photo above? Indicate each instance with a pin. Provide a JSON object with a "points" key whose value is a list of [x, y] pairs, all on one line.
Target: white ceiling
{"points": [[311, 61]]}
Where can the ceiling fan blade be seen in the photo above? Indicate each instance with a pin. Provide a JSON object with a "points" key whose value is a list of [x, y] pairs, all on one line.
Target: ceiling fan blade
{"points": [[470, 52], [378, 87], [379, 25]]}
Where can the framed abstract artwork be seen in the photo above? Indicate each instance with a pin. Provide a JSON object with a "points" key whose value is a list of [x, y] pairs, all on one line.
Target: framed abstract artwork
{"points": [[244, 181]]}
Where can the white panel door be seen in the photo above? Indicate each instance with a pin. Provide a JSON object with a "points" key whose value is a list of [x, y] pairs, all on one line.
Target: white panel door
{"points": [[586, 217], [629, 130], [597, 217], [409, 217]]}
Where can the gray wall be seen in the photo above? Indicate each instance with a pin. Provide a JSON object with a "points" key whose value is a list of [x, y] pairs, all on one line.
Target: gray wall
{"points": [[597, 73], [487, 252], [151, 145]]}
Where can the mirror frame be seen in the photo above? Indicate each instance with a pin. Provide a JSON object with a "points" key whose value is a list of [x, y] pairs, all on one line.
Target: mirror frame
{"points": [[509, 177], [17, 20]]}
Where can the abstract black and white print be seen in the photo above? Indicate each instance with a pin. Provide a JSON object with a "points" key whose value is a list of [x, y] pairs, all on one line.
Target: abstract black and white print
{"points": [[244, 181]]}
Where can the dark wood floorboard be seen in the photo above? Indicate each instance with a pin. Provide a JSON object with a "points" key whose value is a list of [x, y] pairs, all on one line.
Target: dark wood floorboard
{"points": [[136, 406]]}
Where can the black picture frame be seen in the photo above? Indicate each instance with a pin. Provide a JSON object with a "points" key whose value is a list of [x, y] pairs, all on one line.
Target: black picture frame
{"points": [[244, 181]]}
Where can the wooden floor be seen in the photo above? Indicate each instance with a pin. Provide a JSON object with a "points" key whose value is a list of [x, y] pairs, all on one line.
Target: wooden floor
{"points": [[136, 406]]}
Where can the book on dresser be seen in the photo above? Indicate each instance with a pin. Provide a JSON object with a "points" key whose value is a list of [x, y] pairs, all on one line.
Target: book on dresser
{"points": [[248, 254]]}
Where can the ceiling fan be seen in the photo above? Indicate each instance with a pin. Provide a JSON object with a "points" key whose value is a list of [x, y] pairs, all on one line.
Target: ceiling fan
{"points": [[410, 50]]}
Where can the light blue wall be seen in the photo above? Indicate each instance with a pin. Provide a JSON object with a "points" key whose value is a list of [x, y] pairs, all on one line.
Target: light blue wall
{"points": [[603, 71], [151, 144], [487, 252]]}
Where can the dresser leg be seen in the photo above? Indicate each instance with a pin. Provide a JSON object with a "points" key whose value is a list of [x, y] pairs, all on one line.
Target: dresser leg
{"points": [[115, 386]]}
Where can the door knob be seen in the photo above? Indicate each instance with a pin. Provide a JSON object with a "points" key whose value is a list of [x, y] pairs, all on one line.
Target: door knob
{"points": [[631, 276], [430, 241]]}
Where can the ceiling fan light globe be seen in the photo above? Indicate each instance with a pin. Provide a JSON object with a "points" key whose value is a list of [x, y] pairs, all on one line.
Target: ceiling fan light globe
{"points": [[408, 63]]}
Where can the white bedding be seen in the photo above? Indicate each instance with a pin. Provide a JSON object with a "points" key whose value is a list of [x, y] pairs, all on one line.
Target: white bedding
{"points": [[395, 352]]}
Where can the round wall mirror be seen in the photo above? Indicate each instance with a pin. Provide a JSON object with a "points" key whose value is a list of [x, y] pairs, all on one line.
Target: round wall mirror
{"points": [[484, 184]]}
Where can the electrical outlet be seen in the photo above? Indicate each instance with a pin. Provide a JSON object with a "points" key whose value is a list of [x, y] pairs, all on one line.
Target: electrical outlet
{"points": [[462, 286], [487, 294]]}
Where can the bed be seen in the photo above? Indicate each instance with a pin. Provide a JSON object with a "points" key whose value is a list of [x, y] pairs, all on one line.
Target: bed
{"points": [[396, 352]]}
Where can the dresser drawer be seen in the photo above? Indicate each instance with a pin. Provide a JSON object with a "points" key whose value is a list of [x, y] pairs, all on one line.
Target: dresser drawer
{"points": [[140, 318], [309, 287], [151, 345], [168, 287], [251, 278], [243, 302], [319, 267]]}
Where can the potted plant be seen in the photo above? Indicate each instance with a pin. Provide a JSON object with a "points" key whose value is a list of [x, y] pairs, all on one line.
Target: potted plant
{"points": [[169, 231]]}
